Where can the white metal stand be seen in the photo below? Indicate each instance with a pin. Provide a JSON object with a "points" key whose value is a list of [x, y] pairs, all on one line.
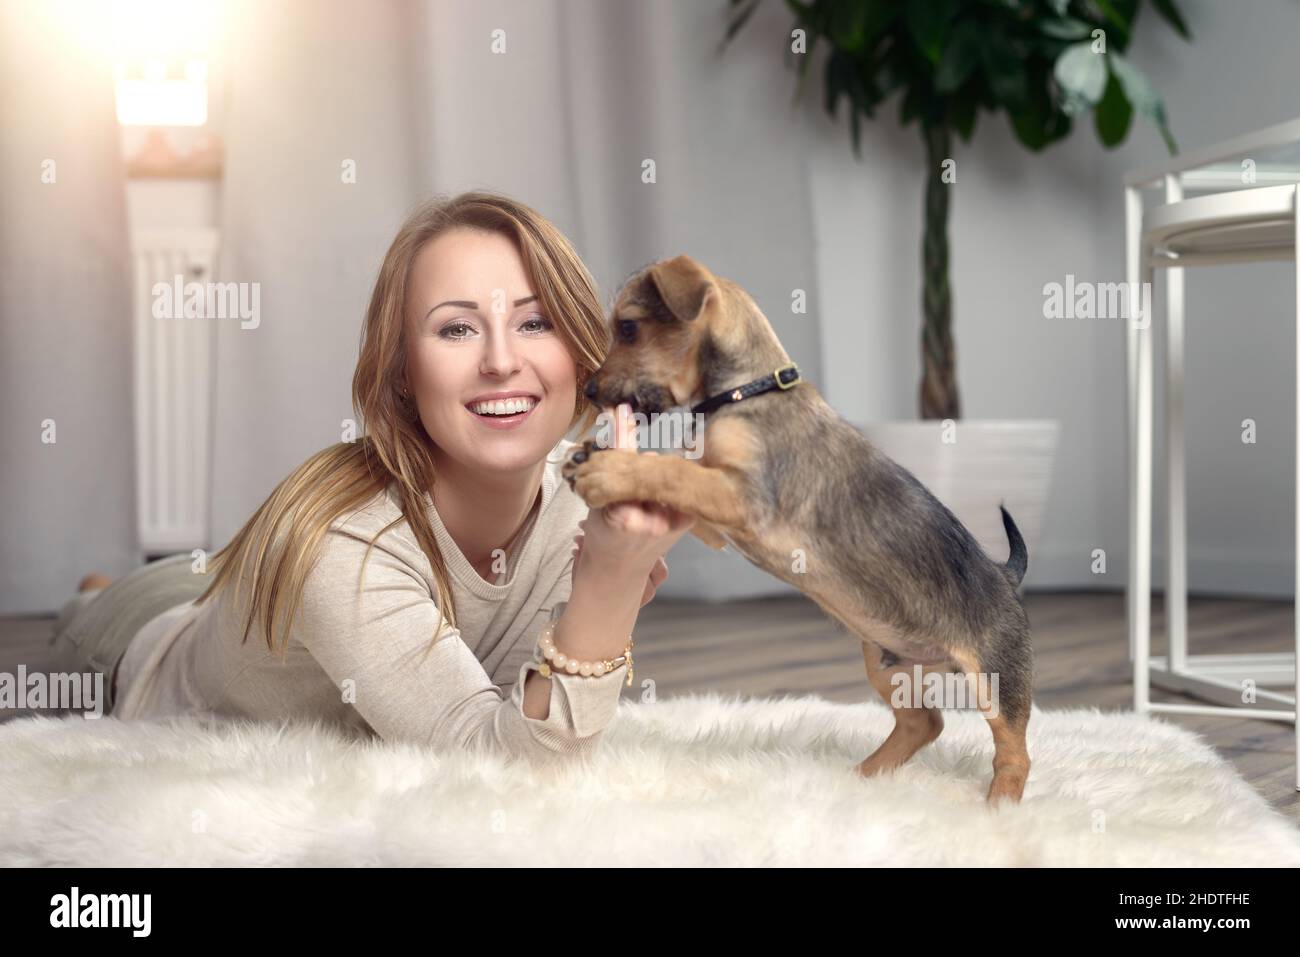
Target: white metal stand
{"points": [[1233, 225]]}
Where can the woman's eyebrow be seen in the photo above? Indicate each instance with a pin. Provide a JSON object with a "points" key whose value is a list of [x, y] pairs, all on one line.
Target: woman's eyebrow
{"points": [[467, 304]]}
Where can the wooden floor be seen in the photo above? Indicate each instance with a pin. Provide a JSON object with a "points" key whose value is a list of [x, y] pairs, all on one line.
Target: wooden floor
{"points": [[786, 645]]}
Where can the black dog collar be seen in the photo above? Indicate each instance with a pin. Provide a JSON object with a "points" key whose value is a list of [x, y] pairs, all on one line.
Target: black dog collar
{"points": [[783, 378]]}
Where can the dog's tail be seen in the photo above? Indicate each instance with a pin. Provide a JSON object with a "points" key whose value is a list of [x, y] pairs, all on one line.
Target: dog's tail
{"points": [[1018, 561]]}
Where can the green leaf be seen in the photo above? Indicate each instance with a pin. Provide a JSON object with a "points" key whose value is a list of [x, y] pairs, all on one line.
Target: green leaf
{"points": [[1081, 75], [1170, 13], [928, 22], [862, 88], [1146, 102], [959, 56], [1110, 13], [1120, 23], [848, 24], [1066, 28], [880, 14], [839, 72], [1035, 135], [1040, 122], [1028, 130], [1125, 11], [1005, 72], [842, 77], [1114, 113], [890, 73]]}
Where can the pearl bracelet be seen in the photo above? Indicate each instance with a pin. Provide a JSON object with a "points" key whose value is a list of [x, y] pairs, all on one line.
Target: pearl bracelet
{"points": [[554, 659]]}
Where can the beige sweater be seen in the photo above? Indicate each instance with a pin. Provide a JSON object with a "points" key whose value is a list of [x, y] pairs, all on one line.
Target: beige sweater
{"points": [[357, 661]]}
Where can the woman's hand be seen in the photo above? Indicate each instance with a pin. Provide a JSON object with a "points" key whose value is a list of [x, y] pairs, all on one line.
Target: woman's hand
{"points": [[658, 574], [630, 537]]}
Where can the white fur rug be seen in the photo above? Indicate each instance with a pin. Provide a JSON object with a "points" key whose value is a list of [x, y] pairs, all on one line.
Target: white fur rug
{"points": [[698, 780]]}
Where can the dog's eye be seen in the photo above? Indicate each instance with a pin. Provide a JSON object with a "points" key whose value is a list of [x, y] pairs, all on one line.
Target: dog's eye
{"points": [[627, 330]]}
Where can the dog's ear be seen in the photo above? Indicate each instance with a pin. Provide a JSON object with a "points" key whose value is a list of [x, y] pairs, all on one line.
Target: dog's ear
{"points": [[684, 285]]}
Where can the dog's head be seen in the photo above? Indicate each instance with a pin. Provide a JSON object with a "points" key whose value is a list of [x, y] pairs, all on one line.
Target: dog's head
{"points": [[676, 331]]}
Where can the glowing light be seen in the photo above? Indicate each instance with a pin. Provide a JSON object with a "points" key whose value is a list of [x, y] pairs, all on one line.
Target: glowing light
{"points": [[160, 50]]}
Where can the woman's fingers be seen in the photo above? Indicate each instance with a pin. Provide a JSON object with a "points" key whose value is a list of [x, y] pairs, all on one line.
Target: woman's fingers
{"points": [[642, 518], [625, 441], [616, 413], [624, 427], [621, 515], [663, 519]]}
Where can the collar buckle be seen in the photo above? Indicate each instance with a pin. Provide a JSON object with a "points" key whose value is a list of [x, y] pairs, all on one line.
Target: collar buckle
{"points": [[781, 384]]}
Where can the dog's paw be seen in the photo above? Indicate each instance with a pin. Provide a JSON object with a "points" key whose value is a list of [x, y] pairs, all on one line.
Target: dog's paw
{"points": [[583, 453], [602, 476]]}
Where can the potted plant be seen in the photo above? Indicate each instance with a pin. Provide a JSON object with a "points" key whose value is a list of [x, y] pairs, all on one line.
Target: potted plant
{"points": [[1045, 63]]}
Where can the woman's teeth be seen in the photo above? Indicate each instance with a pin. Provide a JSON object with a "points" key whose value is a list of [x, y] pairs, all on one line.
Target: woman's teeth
{"points": [[502, 406]]}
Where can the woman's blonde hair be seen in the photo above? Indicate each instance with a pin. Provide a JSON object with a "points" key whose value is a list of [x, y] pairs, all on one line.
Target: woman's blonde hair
{"points": [[273, 553]]}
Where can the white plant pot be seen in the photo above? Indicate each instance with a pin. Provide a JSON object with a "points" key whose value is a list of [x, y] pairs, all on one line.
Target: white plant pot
{"points": [[977, 465]]}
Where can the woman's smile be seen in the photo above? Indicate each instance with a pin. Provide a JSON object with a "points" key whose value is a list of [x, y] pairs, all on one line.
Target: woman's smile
{"points": [[503, 410]]}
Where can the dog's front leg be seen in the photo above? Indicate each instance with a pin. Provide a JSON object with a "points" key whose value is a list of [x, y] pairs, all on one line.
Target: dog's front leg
{"points": [[602, 477]]}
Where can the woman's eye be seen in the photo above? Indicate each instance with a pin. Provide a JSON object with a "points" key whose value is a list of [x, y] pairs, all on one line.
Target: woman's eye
{"points": [[538, 323], [451, 330]]}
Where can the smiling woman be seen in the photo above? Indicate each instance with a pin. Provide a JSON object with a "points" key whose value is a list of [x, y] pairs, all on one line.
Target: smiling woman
{"points": [[400, 585], [483, 334]]}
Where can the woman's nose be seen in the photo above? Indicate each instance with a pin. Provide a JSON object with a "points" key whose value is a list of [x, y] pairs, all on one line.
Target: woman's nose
{"points": [[500, 356]]}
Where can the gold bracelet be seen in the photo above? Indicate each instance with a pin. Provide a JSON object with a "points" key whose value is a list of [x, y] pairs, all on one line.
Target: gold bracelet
{"points": [[555, 660]]}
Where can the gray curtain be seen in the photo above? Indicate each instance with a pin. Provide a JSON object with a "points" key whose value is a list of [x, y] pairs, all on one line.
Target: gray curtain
{"points": [[314, 86], [65, 319]]}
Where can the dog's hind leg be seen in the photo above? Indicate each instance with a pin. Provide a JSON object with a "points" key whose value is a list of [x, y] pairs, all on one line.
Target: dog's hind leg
{"points": [[1008, 722], [1010, 758], [914, 728]]}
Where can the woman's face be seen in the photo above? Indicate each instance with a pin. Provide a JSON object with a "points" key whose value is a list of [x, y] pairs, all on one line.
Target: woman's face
{"points": [[477, 330]]}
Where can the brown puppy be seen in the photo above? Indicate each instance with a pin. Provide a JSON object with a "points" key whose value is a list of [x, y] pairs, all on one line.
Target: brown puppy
{"points": [[802, 494]]}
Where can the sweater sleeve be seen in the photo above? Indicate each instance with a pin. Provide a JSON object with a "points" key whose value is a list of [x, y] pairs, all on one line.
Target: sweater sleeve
{"points": [[374, 643]]}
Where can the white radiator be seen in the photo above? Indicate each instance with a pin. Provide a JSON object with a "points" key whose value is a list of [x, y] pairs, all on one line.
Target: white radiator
{"points": [[173, 392]]}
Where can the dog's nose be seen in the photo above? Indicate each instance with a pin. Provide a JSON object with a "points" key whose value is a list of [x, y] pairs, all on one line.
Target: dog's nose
{"points": [[590, 391]]}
